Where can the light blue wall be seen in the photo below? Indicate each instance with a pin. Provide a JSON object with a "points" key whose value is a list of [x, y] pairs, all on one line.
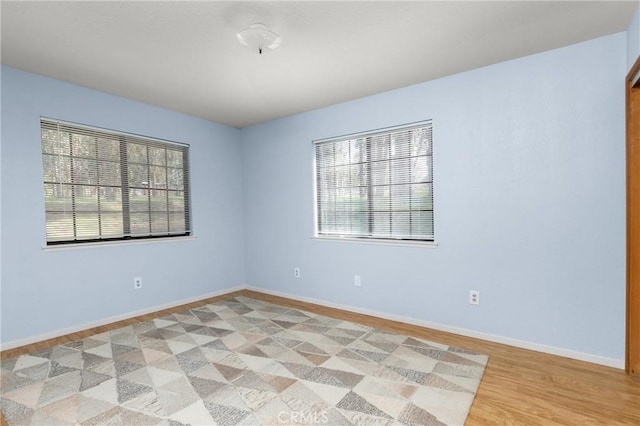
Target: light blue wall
{"points": [[529, 196], [633, 39], [44, 291], [529, 168]]}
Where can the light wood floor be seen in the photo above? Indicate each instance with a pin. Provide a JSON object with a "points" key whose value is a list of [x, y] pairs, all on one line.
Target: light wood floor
{"points": [[519, 387]]}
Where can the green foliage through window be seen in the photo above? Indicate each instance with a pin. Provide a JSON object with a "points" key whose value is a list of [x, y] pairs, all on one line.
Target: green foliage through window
{"points": [[103, 185], [376, 185]]}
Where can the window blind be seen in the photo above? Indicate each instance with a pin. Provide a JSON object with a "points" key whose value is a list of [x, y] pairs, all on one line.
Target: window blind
{"points": [[104, 185], [376, 185]]}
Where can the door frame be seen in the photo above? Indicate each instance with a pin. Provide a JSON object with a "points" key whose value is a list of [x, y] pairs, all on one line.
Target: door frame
{"points": [[632, 92]]}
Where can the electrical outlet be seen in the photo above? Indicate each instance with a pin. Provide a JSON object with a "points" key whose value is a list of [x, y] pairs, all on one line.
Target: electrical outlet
{"points": [[474, 297], [296, 272], [357, 281], [137, 283]]}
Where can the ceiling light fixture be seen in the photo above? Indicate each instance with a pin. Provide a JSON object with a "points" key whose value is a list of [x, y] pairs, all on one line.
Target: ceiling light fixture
{"points": [[258, 37]]}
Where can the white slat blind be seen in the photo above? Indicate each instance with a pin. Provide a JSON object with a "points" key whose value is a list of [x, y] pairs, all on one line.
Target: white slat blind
{"points": [[376, 185], [103, 185]]}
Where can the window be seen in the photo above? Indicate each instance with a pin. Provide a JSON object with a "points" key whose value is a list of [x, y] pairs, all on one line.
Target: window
{"points": [[376, 185], [103, 185]]}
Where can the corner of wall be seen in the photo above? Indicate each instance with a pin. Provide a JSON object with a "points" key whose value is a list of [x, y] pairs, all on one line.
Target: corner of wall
{"points": [[633, 39]]}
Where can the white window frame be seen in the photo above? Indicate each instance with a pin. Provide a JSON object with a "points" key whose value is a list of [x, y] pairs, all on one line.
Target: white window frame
{"points": [[426, 235], [175, 187]]}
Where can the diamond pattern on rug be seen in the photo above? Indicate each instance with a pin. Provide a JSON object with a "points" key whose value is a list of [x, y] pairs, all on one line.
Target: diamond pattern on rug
{"points": [[242, 362]]}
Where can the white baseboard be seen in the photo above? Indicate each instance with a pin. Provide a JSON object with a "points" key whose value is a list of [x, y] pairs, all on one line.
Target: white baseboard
{"points": [[581, 356], [552, 350], [76, 328]]}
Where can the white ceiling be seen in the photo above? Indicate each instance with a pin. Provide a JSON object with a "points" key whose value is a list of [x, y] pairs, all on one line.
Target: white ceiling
{"points": [[184, 56]]}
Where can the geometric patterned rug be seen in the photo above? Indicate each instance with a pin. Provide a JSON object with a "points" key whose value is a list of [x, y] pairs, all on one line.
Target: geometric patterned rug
{"points": [[242, 361]]}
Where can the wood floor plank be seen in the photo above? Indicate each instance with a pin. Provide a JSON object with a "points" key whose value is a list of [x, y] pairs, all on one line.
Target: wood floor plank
{"points": [[519, 387]]}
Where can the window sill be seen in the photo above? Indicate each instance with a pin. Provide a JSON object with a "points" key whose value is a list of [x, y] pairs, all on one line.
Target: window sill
{"points": [[376, 241], [75, 246]]}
